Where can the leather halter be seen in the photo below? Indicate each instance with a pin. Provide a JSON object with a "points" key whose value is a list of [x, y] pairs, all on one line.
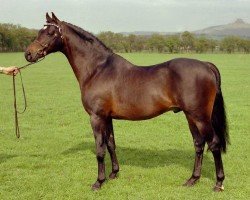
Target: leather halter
{"points": [[47, 43]]}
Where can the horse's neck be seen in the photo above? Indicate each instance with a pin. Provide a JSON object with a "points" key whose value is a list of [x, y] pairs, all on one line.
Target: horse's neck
{"points": [[83, 60]]}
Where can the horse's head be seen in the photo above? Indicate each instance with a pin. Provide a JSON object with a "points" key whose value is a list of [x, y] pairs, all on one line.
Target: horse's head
{"points": [[48, 40]]}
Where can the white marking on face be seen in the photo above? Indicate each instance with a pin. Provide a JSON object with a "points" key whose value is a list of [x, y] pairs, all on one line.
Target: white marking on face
{"points": [[45, 27]]}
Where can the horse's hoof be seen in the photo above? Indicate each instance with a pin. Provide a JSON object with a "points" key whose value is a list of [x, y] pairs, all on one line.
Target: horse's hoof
{"points": [[190, 182], [219, 188], [96, 186], [113, 175]]}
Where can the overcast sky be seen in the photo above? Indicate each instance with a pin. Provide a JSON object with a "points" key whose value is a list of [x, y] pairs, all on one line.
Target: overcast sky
{"points": [[127, 15]]}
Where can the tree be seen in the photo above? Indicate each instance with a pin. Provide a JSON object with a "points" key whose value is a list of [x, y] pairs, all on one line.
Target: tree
{"points": [[245, 45], [201, 44], [156, 42], [139, 43], [130, 42], [212, 44], [230, 44], [173, 43], [187, 41], [15, 37]]}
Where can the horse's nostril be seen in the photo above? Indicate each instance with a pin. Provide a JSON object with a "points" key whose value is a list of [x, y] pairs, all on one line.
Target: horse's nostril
{"points": [[28, 55], [40, 51]]}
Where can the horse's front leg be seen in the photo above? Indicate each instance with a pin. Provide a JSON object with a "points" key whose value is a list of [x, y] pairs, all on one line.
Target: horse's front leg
{"points": [[111, 149], [99, 126]]}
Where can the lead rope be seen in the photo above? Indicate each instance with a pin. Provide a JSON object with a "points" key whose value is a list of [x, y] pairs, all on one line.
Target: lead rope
{"points": [[17, 130]]}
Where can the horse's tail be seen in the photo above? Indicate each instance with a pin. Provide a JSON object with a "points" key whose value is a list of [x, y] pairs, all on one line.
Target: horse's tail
{"points": [[219, 120]]}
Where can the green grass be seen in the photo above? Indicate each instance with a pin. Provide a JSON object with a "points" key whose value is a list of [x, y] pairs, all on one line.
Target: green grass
{"points": [[54, 158]]}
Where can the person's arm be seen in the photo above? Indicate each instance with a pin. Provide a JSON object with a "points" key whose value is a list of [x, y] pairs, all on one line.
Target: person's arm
{"points": [[9, 70], [1, 70]]}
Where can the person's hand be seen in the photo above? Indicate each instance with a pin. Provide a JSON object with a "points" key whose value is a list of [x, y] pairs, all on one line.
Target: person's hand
{"points": [[11, 70]]}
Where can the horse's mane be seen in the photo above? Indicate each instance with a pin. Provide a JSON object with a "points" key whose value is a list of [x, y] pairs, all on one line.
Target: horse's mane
{"points": [[86, 35]]}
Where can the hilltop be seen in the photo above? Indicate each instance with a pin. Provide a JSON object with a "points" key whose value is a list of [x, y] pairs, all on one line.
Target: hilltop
{"points": [[238, 28]]}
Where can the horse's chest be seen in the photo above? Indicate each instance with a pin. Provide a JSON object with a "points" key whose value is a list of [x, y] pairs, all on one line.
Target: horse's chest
{"points": [[96, 104]]}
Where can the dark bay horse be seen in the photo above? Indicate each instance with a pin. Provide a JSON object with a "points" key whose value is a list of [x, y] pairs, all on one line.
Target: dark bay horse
{"points": [[113, 88]]}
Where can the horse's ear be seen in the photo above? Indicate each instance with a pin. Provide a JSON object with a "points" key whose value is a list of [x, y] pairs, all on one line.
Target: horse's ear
{"points": [[48, 18], [54, 18]]}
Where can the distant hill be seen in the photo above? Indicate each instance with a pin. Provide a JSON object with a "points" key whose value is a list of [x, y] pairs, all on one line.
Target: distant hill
{"points": [[148, 33], [238, 28]]}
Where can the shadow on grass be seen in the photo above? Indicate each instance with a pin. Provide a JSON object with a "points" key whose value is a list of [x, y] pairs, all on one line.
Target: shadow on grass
{"points": [[152, 158], [5, 157]]}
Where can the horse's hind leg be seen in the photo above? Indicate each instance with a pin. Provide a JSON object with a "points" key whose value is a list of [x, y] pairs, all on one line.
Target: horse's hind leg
{"points": [[219, 170], [199, 143], [207, 131], [110, 140]]}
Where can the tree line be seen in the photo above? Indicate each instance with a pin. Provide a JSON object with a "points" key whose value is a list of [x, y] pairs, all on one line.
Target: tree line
{"points": [[15, 38], [179, 43]]}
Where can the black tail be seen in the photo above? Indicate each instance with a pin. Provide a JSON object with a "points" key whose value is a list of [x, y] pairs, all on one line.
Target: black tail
{"points": [[219, 119]]}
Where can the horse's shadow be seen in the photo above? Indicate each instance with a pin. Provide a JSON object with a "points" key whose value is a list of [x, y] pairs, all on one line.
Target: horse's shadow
{"points": [[146, 158], [5, 157]]}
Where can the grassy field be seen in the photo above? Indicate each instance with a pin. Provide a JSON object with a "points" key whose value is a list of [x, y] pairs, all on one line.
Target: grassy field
{"points": [[54, 158]]}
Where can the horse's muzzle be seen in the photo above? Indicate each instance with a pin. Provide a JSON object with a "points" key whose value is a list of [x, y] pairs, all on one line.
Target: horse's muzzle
{"points": [[28, 56], [32, 57]]}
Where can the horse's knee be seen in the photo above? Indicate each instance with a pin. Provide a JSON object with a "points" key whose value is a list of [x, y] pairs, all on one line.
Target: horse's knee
{"points": [[199, 149], [100, 153], [100, 156], [199, 143]]}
